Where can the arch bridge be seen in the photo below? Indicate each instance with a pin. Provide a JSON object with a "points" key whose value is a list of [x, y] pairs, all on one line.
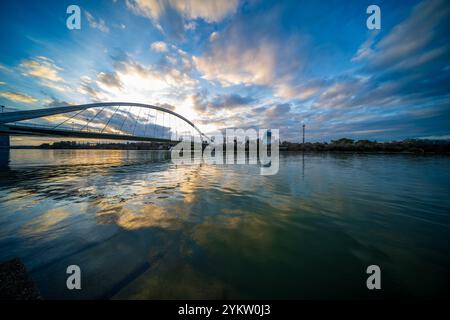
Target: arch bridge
{"points": [[110, 120]]}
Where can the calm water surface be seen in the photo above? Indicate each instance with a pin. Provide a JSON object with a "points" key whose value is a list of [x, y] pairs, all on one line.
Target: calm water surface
{"points": [[142, 228]]}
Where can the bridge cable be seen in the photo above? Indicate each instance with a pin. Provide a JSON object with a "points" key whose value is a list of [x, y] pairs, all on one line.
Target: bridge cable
{"points": [[69, 118], [169, 132], [163, 126], [125, 119], [110, 119], [146, 123], [137, 120], [87, 124], [154, 129]]}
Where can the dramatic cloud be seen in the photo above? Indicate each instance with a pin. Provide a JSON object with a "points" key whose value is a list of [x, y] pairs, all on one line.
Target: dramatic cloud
{"points": [[238, 65], [173, 18], [213, 36], [151, 77], [43, 68], [402, 80], [18, 97], [162, 83], [166, 106], [272, 64], [54, 102], [109, 80], [302, 91], [415, 41], [219, 103], [4, 68], [366, 50], [251, 52], [86, 88], [96, 24], [231, 101], [407, 66], [210, 11], [278, 111], [159, 46]]}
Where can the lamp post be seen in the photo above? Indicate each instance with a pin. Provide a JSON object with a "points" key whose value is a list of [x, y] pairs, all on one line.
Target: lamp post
{"points": [[303, 126]]}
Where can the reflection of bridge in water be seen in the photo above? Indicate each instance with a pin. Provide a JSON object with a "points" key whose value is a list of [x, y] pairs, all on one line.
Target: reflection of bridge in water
{"points": [[110, 121]]}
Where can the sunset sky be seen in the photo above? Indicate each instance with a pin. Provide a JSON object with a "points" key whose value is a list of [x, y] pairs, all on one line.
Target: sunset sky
{"points": [[224, 64]]}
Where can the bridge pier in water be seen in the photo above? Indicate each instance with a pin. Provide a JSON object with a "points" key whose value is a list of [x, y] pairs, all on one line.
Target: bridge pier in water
{"points": [[4, 141], [4, 152]]}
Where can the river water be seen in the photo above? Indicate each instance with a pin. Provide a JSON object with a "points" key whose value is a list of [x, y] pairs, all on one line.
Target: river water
{"points": [[140, 227]]}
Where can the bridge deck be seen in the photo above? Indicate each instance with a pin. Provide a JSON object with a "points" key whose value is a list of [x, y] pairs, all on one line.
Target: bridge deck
{"points": [[8, 129], [9, 123]]}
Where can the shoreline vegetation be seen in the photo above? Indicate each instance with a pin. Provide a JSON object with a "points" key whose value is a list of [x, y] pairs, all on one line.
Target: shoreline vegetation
{"points": [[366, 146], [416, 146]]}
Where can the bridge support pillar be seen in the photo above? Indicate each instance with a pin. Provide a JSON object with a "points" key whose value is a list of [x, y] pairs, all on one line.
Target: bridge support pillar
{"points": [[4, 141]]}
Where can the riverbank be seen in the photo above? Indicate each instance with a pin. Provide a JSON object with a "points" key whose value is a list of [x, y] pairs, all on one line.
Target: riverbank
{"points": [[367, 146], [16, 282], [342, 145]]}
